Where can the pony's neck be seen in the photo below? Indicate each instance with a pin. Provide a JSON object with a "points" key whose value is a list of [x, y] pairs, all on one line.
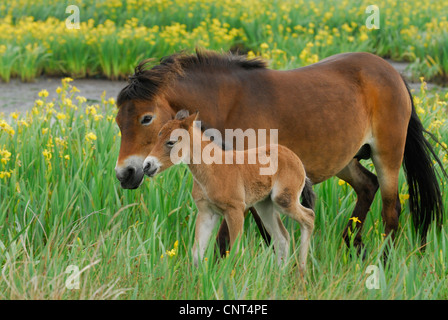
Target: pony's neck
{"points": [[202, 91]]}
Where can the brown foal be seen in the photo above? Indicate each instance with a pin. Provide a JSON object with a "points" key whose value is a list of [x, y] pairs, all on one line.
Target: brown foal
{"points": [[273, 184]]}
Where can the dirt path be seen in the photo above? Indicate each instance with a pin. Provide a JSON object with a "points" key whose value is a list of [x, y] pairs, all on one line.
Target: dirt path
{"points": [[18, 96]]}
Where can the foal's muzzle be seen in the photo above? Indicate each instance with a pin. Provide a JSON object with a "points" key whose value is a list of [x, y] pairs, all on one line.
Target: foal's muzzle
{"points": [[151, 166]]}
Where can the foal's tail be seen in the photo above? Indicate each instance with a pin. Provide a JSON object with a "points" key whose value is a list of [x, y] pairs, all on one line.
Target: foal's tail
{"points": [[425, 198]]}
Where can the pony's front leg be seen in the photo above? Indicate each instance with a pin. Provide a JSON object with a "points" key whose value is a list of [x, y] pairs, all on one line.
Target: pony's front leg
{"points": [[205, 223]]}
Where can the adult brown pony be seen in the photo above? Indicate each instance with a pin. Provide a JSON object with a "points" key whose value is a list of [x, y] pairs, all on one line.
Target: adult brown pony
{"points": [[333, 113]]}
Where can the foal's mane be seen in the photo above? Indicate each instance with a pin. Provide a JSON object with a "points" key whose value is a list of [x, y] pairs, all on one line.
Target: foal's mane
{"points": [[146, 82]]}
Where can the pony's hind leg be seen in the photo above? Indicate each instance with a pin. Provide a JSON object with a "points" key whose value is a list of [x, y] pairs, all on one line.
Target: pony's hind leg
{"points": [[388, 171], [365, 185], [273, 224], [387, 156]]}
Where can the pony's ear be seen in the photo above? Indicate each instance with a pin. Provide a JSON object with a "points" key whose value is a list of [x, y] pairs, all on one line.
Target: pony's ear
{"points": [[182, 114], [188, 122]]}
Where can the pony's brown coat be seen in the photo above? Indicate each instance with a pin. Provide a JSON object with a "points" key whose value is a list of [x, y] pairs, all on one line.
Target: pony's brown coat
{"points": [[325, 113]]}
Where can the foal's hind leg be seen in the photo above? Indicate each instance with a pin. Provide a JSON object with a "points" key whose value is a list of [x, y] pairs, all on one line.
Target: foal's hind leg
{"points": [[305, 217], [365, 185], [287, 201], [275, 227]]}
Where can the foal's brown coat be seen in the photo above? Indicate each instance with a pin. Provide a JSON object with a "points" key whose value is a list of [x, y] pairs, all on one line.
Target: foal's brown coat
{"points": [[229, 189]]}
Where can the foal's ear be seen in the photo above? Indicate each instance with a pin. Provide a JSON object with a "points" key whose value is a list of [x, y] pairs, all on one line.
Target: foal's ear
{"points": [[182, 114]]}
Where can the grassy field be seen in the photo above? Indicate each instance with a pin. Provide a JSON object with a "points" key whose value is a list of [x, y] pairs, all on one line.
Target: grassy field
{"points": [[115, 35], [62, 206]]}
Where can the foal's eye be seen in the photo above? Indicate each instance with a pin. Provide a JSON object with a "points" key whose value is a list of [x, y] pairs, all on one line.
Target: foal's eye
{"points": [[170, 144], [146, 120]]}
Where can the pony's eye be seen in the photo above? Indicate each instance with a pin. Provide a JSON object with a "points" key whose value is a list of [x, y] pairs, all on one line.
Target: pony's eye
{"points": [[146, 120], [170, 144]]}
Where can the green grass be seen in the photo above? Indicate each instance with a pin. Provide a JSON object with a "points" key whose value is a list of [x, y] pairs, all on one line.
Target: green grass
{"points": [[57, 212]]}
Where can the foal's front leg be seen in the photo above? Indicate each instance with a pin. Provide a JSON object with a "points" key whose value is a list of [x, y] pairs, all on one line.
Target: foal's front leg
{"points": [[234, 216], [205, 223]]}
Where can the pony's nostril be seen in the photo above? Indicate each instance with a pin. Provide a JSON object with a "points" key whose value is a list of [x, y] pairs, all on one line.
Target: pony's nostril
{"points": [[130, 171], [126, 174]]}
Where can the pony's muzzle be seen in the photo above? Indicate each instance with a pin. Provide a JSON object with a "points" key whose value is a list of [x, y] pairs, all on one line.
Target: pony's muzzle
{"points": [[130, 175], [125, 174]]}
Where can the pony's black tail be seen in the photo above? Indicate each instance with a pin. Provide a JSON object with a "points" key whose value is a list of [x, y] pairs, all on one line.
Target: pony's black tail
{"points": [[308, 195], [425, 198]]}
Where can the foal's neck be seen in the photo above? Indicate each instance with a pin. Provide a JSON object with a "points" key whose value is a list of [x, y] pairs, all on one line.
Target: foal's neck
{"points": [[201, 171]]}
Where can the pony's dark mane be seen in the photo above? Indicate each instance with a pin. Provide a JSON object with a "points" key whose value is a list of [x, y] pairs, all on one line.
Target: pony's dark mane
{"points": [[147, 82]]}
